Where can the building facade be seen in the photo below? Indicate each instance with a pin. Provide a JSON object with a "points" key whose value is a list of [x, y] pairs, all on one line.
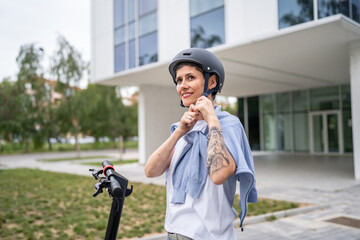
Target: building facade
{"points": [[294, 66]]}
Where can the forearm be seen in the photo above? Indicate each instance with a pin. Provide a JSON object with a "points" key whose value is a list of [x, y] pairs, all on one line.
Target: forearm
{"points": [[220, 163], [160, 160]]}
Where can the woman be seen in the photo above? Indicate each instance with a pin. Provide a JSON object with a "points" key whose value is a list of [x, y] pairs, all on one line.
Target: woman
{"points": [[206, 153]]}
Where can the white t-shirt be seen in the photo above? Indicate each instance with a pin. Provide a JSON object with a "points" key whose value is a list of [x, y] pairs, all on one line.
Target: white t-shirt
{"points": [[209, 217]]}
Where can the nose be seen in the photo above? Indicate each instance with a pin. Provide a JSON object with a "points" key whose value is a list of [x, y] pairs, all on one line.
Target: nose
{"points": [[183, 85]]}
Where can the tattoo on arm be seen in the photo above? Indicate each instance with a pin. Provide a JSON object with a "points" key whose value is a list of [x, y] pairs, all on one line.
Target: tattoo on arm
{"points": [[217, 151]]}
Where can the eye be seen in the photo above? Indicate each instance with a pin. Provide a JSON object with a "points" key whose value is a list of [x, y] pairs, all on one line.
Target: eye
{"points": [[178, 80], [191, 77]]}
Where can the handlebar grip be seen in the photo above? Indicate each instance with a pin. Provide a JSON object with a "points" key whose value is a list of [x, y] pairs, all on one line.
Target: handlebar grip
{"points": [[106, 163], [115, 188]]}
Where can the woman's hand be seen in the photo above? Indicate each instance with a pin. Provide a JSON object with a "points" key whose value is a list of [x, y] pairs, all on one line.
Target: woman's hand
{"points": [[204, 109], [187, 122]]}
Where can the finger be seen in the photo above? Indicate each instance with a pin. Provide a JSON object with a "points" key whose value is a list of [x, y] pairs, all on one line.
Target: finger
{"points": [[190, 121], [200, 100], [191, 108], [189, 116]]}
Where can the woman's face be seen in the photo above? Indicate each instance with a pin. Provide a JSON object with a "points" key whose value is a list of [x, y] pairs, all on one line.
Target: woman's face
{"points": [[189, 84]]}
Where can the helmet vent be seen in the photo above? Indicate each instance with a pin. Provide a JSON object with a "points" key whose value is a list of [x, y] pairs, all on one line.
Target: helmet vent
{"points": [[187, 54]]}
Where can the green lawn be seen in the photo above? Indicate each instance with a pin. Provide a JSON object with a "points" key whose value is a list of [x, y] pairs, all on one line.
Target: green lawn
{"points": [[37, 204], [70, 158], [16, 148]]}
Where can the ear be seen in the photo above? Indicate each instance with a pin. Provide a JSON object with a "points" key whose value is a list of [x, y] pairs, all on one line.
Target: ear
{"points": [[212, 82]]}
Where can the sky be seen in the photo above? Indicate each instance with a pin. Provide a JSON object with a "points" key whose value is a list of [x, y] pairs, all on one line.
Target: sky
{"points": [[41, 22]]}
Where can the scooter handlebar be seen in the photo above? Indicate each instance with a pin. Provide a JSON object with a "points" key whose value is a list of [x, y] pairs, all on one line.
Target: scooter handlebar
{"points": [[109, 172]]}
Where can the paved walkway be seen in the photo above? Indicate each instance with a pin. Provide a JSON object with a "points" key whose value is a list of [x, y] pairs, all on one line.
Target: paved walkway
{"points": [[325, 182]]}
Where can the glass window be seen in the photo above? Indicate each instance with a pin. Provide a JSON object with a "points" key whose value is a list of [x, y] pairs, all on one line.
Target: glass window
{"points": [[135, 38], [120, 57], [254, 122], [119, 15], [347, 130], [300, 100], [301, 132], [344, 7], [324, 98], [331, 7], [328, 8], [292, 12], [318, 127], [269, 132], [131, 10], [146, 6], [268, 103], [355, 10], [283, 102], [284, 131], [346, 121], [207, 30], [269, 129], [148, 24], [132, 58], [333, 132], [148, 49], [240, 110], [119, 35], [346, 97], [131, 31], [283, 121], [200, 6]]}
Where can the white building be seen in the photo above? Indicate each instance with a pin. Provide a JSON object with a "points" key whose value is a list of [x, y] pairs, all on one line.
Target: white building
{"points": [[294, 66]]}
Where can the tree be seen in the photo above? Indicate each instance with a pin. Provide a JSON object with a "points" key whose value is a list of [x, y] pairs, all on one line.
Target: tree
{"points": [[51, 129], [10, 110], [104, 114], [68, 68], [96, 110], [31, 91]]}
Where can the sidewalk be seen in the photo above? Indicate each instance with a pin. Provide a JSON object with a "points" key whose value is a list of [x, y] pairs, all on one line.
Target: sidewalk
{"points": [[325, 182]]}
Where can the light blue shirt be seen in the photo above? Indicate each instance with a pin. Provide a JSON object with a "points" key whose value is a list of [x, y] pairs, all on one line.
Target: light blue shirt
{"points": [[190, 172]]}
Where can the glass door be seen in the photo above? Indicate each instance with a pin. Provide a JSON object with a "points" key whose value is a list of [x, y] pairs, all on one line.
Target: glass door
{"points": [[325, 132]]}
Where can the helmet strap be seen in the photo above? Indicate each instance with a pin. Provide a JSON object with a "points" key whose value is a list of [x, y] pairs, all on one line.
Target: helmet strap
{"points": [[207, 91], [182, 104]]}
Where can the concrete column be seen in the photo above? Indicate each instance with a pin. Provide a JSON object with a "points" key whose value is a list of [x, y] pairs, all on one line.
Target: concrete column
{"points": [[355, 99], [159, 107]]}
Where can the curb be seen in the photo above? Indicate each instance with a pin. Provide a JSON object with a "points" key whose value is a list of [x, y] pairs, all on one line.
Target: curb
{"points": [[258, 219]]}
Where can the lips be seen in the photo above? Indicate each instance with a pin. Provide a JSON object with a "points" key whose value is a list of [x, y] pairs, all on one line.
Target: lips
{"points": [[186, 95]]}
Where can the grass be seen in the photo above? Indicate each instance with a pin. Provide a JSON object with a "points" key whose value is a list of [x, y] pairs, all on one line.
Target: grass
{"points": [[16, 148], [271, 218], [42, 205], [37, 204], [265, 206]]}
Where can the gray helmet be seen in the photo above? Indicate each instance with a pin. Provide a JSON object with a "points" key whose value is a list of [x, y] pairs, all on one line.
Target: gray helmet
{"points": [[210, 64]]}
